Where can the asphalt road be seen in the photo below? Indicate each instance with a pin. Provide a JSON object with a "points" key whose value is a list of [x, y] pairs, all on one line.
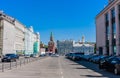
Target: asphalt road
{"points": [[57, 67]]}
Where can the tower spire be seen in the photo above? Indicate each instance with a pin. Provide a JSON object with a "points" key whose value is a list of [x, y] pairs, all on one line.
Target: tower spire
{"points": [[51, 37]]}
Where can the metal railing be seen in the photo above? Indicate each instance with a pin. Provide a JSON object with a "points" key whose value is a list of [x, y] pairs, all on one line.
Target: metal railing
{"points": [[19, 62]]}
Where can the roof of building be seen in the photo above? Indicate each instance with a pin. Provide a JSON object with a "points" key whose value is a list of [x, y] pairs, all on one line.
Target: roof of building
{"points": [[79, 45], [108, 6]]}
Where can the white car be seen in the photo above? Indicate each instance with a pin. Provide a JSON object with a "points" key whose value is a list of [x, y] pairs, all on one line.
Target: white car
{"points": [[54, 55]]}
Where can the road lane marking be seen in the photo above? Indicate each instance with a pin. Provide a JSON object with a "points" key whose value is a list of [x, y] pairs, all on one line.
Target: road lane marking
{"points": [[60, 67]]}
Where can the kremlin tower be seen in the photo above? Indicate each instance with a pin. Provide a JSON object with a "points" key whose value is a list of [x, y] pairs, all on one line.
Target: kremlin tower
{"points": [[51, 44]]}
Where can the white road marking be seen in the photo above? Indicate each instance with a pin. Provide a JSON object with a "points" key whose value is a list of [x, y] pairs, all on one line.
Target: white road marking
{"points": [[62, 77], [60, 66]]}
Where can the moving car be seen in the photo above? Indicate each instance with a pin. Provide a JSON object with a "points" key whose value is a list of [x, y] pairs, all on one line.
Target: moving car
{"points": [[10, 58]]}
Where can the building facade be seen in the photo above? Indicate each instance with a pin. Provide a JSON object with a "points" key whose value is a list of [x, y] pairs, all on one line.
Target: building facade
{"points": [[28, 42], [7, 34], [16, 38], [64, 47], [32, 42], [68, 46], [19, 43], [36, 44], [108, 20], [85, 48]]}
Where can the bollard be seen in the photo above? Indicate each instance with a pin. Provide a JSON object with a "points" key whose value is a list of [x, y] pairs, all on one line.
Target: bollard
{"points": [[3, 67], [10, 65], [24, 61], [27, 60], [20, 62], [16, 63]]}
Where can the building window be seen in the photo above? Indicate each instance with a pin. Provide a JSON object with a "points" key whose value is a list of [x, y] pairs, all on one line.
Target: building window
{"points": [[113, 13], [107, 25], [114, 50], [107, 32], [114, 30], [107, 17]]}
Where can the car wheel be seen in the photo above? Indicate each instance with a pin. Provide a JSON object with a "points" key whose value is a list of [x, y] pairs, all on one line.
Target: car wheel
{"points": [[2, 60], [116, 71], [73, 58]]}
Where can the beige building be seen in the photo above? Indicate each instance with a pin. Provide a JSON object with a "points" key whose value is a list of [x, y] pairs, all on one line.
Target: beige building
{"points": [[16, 38], [19, 43], [108, 29], [7, 34]]}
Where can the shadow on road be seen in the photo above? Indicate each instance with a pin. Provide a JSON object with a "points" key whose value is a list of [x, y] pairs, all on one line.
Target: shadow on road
{"points": [[94, 67], [91, 76]]}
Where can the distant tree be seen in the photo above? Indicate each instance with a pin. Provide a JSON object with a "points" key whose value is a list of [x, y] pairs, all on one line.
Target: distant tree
{"points": [[45, 46]]}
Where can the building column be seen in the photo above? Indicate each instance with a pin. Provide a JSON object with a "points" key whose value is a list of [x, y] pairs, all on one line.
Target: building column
{"points": [[104, 48], [117, 30], [110, 35]]}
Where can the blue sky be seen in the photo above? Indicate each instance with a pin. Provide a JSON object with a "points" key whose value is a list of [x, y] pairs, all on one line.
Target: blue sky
{"points": [[67, 19]]}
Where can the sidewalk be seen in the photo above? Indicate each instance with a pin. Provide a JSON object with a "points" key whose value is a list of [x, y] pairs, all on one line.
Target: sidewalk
{"points": [[30, 70]]}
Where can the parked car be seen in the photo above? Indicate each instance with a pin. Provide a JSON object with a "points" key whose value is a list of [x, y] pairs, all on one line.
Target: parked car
{"points": [[27, 56], [69, 55], [97, 59], [34, 55], [91, 59], [10, 58], [87, 57], [54, 55], [103, 61], [111, 64], [76, 56]]}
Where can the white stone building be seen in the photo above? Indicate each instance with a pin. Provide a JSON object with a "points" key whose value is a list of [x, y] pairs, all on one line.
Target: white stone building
{"points": [[64, 47], [83, 47], [19, 43], [32, 41], [16, 38], [67, 46], [7, 34]]}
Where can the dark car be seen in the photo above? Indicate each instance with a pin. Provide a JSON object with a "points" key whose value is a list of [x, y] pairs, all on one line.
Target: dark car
{"points": [[97, 59], [103, 61], [76, 56], [10, 58], [69, 55], [91, 59], [111, 64]]}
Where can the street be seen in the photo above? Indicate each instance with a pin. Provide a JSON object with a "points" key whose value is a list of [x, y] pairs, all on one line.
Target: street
{"points": [[57, 67]]}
